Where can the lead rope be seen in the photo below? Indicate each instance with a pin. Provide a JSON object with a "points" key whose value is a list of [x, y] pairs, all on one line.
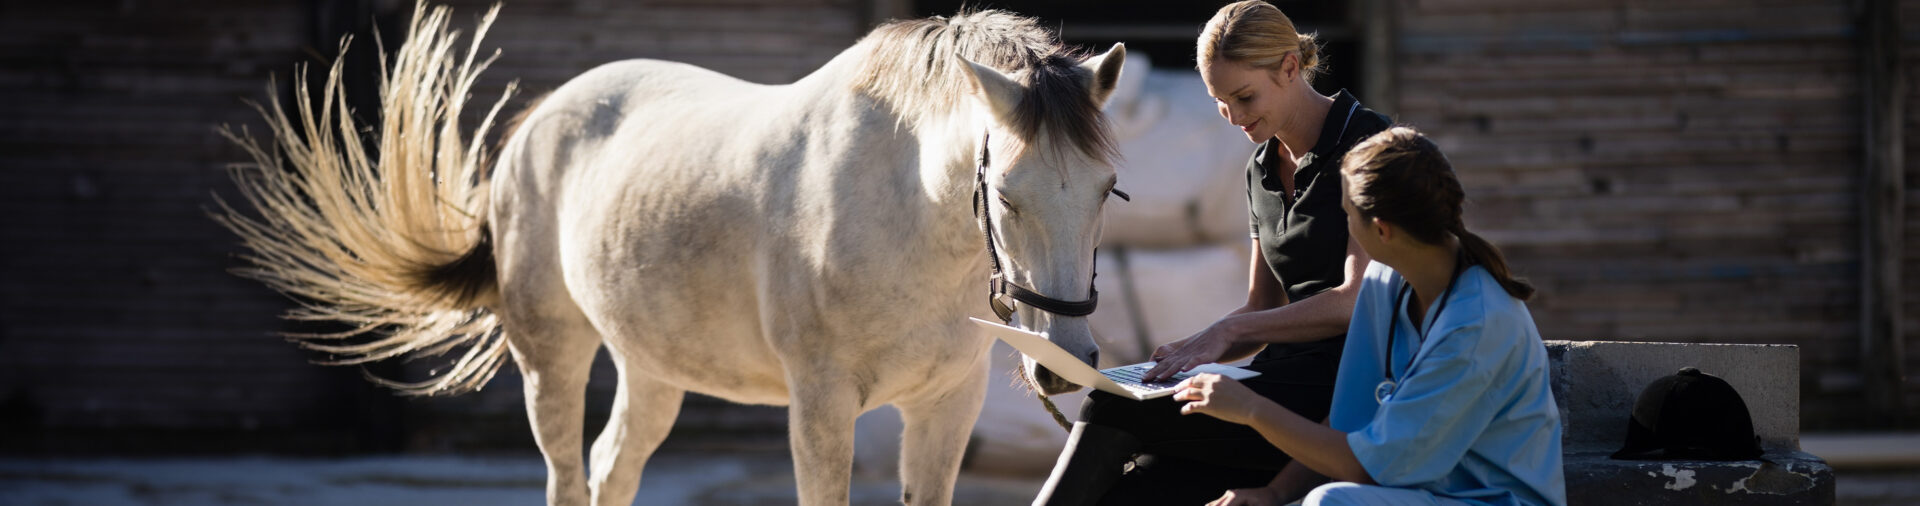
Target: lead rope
{"points": [[1055, 411]]}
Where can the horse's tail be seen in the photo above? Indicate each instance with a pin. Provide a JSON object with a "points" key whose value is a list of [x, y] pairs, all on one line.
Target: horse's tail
{"points": [[398, 247]]}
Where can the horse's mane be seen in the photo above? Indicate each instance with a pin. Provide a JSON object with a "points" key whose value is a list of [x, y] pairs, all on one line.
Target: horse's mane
{"points": [[910, 65]]}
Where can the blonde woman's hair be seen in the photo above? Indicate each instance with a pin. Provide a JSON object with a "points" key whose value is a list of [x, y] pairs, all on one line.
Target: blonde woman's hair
{"points": [[1256, 33], [1401, 177]]}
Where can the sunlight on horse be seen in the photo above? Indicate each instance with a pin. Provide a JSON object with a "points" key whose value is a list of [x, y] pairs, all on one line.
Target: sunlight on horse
{"points": [[812, 244]]}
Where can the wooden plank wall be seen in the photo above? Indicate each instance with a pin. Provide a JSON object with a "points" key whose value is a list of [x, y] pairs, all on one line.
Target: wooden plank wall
{"points": [[1664, 171], [1909, 24], [116, 313]]}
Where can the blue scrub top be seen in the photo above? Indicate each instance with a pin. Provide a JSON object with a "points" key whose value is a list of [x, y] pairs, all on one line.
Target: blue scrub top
{"points": [[1474, 418]]}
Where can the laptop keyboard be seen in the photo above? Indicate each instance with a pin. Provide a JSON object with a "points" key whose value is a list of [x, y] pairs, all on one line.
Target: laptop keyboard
{"points": [[1129, 376]]}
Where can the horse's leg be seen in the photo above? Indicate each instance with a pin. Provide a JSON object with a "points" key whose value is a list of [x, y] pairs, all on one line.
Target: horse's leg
{"points": [[934, 439], [643, 412], [821, 432], [553, 367]]}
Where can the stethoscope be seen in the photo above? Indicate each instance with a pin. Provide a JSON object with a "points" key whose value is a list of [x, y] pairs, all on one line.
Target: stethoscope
{"points": [[1384, 392]]}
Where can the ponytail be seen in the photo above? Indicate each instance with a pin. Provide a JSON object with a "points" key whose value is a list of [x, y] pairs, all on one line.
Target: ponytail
{"points": [[1401, 177], [1484, 254]]}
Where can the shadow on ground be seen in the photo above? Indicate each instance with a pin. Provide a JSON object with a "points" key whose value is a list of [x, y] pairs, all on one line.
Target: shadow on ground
{"points": [[692, 478]]}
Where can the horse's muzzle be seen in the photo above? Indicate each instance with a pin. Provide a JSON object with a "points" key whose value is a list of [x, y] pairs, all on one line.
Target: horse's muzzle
{"points": [[1046, 381]]}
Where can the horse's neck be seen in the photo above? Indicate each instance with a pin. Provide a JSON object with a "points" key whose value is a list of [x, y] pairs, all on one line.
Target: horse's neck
{"points": [[928, 165], [942, 146], [947, 170]]}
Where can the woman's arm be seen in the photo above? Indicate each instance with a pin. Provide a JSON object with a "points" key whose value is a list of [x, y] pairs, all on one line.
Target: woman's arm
{"points": [[1263, 290], [1315, 318], [1318, 447], [1267, 318]]}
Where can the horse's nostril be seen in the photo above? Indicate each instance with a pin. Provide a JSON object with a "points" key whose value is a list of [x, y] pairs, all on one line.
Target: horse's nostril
{"points": [[1095, 360]]}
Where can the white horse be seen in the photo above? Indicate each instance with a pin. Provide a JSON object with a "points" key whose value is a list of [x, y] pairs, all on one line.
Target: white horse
{"points": [[812, 244]]}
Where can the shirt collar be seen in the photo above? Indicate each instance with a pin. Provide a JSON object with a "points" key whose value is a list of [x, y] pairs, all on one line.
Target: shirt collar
{"points": [[1335, 124], [1268, 156]]}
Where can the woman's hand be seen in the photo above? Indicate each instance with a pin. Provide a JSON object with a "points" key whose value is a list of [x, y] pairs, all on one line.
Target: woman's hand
{"points": [[1206, 347], [1249, 497], [1219, 397]]}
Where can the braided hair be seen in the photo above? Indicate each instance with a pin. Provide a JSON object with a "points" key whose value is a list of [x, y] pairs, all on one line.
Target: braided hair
{"points": [[1401, 177]]}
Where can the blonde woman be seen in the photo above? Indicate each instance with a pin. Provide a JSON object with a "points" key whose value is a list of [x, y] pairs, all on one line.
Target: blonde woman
{"points": [[1302, 281], [1443, 395]]}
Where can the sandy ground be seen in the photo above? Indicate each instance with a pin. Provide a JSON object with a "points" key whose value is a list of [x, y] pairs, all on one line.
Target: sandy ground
{"points": [[710, 479], [740, 478]]}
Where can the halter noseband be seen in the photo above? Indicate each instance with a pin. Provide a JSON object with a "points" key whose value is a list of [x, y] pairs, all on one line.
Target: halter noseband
{"points": [[998, 285]]}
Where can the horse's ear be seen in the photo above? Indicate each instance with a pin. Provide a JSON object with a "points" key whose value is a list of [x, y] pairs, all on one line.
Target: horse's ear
{"points": [[1106, 73], [999, 92]]}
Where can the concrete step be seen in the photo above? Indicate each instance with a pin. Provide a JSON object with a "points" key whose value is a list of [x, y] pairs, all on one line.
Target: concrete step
{"points": [[1779, 477]]}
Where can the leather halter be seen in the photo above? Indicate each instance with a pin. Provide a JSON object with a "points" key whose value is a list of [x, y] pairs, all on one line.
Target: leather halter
{"points": [[998, 285]]}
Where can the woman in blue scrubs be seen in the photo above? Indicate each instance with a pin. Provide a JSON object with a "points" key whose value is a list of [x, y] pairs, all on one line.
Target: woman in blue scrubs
{"points": [[1442, 393]]}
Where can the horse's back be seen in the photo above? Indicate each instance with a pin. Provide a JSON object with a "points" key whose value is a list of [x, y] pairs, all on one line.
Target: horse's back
{"points": [[599, 103], [610, 130]]}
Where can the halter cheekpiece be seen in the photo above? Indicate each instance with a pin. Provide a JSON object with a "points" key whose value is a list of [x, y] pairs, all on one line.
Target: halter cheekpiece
{"points": [[998, 285]]}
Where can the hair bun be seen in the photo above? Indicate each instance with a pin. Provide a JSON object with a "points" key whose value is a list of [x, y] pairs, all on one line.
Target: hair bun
{"points": [[1309, 53], [1308, 50]]}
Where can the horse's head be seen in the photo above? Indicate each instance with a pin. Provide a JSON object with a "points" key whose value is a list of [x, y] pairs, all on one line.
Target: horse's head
{"points": [[1047, 170]]}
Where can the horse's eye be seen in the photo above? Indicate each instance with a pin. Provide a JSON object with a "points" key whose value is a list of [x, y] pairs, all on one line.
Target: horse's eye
{"points": [[1006, 204]]}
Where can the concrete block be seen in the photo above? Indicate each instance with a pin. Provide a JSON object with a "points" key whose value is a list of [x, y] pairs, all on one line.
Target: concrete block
{"points": [[1778, 477], [1597, 382]]}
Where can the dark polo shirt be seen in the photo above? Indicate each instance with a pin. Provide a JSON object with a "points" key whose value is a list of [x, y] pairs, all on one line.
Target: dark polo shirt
{"points": [[1303, 235]]}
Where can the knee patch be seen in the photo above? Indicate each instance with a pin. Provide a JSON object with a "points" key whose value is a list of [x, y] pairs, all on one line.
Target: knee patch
{"points": [[1339, 493]]}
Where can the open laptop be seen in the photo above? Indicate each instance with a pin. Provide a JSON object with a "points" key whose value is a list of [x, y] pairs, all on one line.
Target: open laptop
{"points": [[1123, 381]]}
